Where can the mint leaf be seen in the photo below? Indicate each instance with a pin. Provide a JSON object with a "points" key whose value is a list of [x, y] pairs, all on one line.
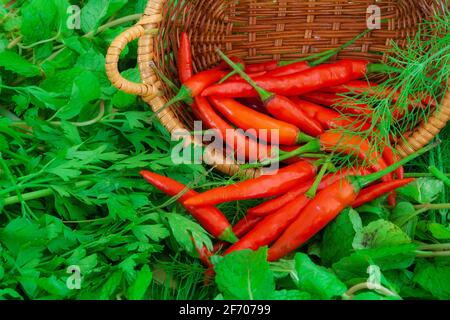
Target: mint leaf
{"points": [[318, 281], [422, 190], [13, 62], [338, 236], [290, 295], [137, 290], [85, 89], [43, 19], [380, 233], [245, 275], [433, 278], [439, 231], [373, 296], [386, 258], [92, 14], [404, 215]]}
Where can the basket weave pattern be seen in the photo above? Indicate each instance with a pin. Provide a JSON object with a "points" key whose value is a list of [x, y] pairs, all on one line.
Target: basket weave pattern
{"points": [[262, 30]]}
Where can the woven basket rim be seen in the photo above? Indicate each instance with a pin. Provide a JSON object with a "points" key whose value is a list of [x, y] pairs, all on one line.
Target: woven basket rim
{"points": [[151, 90]]}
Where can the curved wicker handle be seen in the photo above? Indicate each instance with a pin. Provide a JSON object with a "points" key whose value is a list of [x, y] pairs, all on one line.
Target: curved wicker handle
{"points": [[112, 61]]}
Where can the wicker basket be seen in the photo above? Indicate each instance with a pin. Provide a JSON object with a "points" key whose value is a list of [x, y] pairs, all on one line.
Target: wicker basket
{"points": [[261, 30]]}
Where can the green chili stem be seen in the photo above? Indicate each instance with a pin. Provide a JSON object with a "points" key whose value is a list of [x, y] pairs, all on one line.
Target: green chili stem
{"points": [[312, 146], [381, 68], [166, 80], [311, 193], [362, 181], [264, 94], [324, 56]]}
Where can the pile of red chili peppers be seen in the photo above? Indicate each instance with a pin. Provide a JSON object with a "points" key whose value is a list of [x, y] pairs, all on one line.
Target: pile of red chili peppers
{"points": [[300, 100]]}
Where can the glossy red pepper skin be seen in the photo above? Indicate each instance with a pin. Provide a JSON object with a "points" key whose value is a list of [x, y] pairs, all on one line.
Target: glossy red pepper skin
{"points": [[272, 205], [197, 83], [336, 102], [312, 79], [285, 109], [246, 118], [271, 227], [288, 69], [240, 229], [260, 67], [371, 193], [261, 187], [224, 66], [251, 75], [203, 253], [208, 216], [185, 69], [330, 119], [321, 210], [252, 149]]}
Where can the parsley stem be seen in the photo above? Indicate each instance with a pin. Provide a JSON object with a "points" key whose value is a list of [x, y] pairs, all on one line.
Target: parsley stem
{"points": [[40, 194]]}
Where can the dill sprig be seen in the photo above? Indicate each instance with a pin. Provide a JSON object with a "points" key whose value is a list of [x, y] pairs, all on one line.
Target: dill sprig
{"points": [[425, 67]]}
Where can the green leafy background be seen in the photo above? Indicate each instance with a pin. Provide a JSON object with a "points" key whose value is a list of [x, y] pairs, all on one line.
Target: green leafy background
{"points": [[71, 148]]}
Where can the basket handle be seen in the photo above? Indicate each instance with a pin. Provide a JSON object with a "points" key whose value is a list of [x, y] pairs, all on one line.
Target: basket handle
{"points": [[112, 61]]}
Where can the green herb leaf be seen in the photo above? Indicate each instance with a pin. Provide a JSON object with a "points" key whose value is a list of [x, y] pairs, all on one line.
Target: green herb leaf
{"points": [[338, 236], [318, 281], [245, 275], [434, 278], [137, 290], [386, 258], [380, 233], [13, 62]]}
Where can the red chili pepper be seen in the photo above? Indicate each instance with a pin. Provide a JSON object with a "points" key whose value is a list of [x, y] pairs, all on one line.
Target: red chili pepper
{"points": [[261, 187], [240, 229], [327, 204], [274, 204], [281, 68], [260, 67], [330, 119], [251, 75], [195, 85], [224, 66], [289, 69], [208, 216], [279, 106], [241, 144], [336, 102], [203, 253], [312, 79], [185, 70], [371, 193], [246, 118], [270, 228]]}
